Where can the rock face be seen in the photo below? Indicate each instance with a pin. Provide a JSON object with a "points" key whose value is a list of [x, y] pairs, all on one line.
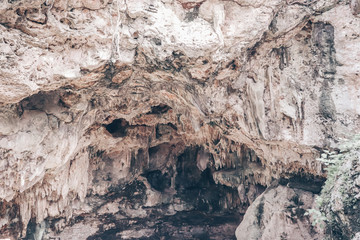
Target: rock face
{"points": [[125, 119], [278, 213]]}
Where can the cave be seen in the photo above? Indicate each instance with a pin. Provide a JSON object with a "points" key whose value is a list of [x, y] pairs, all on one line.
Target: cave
{"points": [[204, 209], [186, 119]]}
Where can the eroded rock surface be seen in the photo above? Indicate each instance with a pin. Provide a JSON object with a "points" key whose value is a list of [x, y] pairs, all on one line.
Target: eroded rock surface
{"points": [[279, 213], [166, 119]]}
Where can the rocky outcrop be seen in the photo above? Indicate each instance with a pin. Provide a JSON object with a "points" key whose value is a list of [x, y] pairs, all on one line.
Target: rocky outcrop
{"points": [[166, 119], [279, 213]]}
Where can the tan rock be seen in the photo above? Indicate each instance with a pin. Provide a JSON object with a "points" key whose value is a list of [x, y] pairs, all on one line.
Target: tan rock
{"points": [[122, 76], [95, 94], [94, 4], [279, 213]]}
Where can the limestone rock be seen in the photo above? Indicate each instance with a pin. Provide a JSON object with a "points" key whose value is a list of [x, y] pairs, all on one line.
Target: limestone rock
{"points": [[150, 113], [279, 213]]}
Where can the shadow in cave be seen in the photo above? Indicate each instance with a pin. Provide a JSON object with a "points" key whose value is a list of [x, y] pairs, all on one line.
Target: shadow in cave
{"points": [[198, 188], [117, 128], [214, 208], [203, 209]]}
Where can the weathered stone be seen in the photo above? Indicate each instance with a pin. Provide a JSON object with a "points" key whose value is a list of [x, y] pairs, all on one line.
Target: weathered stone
{"points": [[279, 213], [134, 119], [355, 7]]}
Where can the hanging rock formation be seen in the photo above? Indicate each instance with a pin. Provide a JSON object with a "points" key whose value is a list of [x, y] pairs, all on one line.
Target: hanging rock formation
{"points": [[167, 119]]}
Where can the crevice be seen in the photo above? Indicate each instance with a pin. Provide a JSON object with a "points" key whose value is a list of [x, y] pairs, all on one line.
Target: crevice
{"points": [[118, 127], [159, 109]]}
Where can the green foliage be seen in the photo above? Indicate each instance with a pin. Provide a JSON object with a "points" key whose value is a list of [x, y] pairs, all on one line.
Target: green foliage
{"points": [[338, 183], [319, 218]]}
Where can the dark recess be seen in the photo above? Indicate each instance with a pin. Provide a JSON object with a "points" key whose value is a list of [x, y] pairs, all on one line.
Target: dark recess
{"points": [[198, 187], [304, 182], [159, 109], [158, 180], [118, 127]]}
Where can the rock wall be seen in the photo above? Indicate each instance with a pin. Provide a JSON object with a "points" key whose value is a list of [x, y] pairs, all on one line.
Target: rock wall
{"points": [[279, 213], [119, 119]]}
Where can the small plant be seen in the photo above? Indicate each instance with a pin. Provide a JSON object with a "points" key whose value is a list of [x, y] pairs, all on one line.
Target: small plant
{"points": [[337, 190], [318, 217]]}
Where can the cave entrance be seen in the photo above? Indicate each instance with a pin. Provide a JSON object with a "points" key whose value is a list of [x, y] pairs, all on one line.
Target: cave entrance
{"points": [[171, 199], [204, 209]]}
